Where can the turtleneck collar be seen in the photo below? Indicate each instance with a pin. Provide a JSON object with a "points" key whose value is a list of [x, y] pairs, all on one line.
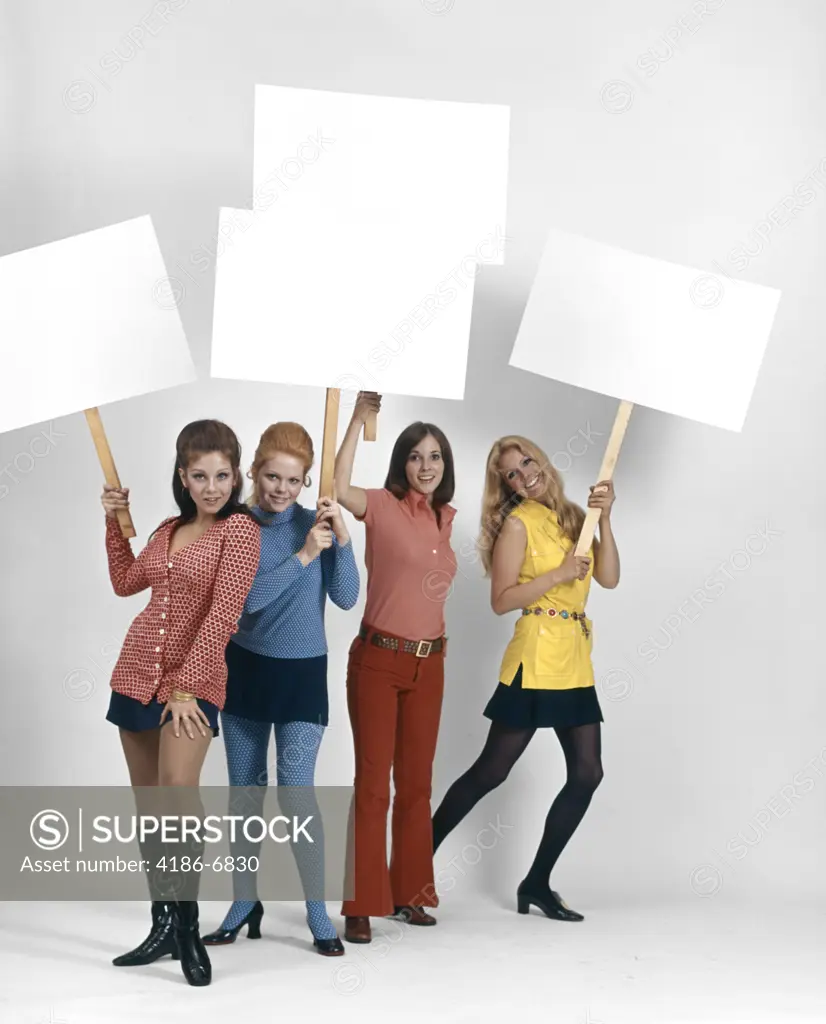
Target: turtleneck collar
{"points": [[273, 518]]}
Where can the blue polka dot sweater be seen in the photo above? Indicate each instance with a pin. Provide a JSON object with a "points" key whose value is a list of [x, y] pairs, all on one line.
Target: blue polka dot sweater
{"points": [[284, 613]]}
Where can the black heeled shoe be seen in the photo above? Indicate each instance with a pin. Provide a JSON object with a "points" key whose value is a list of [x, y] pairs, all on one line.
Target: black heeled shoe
{"points": [[193, 955], [159, 942], [329, 947], [548, 901], [224, 936]]}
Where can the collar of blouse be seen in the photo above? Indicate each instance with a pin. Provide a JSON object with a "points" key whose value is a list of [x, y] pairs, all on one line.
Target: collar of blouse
{"points": [[419, 505]]}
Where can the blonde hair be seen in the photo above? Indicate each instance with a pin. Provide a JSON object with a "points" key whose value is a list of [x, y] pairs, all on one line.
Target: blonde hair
{"points": [[286, 438], [498, 500]]}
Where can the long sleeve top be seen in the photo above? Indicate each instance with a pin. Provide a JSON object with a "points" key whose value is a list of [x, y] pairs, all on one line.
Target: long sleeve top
{"points": [[198, 593], [284, 612]]}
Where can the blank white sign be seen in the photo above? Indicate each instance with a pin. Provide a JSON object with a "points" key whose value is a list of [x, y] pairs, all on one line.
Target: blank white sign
{"points": [[359, 312], [380, 160], [654, 333], [87, 321]]}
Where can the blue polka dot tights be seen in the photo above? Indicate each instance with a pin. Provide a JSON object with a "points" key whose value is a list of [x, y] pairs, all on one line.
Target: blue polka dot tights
{"points": [[296, 746]]}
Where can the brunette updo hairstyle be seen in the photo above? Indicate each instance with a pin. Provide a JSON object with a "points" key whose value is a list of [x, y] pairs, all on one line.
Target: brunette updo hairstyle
{"points": [[287, 438], [200, 438]]}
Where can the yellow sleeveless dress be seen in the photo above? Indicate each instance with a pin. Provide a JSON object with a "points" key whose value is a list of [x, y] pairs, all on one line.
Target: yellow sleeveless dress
{"points": [[546, 677]]}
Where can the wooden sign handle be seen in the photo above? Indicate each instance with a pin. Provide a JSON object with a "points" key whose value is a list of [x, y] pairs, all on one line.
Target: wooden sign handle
{"points": [[370, 427], [326, 487], [107, 463], [606, 472]]}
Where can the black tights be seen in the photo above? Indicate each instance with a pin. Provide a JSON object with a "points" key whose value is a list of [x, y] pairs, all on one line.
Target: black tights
{"points": [[503, 748]]}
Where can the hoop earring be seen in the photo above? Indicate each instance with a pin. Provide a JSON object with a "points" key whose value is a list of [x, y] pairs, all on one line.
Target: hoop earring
{"points": [[308, 480]]}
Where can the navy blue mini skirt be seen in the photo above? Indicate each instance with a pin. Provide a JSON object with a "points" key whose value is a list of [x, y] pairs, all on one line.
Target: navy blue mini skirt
{"points": [[542, 709], [276, 690], [128, 713]]}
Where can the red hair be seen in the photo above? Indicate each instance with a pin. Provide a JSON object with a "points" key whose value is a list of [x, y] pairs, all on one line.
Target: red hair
{"points": [[281, 438]]}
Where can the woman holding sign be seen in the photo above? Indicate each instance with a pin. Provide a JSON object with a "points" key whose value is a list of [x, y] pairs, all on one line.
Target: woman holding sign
{"points": [[546, 680], [169, 681], [395, 672], [277, 661]]}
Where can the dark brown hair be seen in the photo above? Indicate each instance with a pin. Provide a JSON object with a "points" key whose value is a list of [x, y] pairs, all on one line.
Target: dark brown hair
{"points": [[200, 438], [397, 482]]}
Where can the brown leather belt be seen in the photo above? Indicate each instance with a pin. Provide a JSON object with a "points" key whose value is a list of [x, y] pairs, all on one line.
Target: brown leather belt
{"points": [[421, 648]]}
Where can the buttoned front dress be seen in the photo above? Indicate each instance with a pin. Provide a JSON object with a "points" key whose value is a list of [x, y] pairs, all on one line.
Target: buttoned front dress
{"points": [[546, 679], [178, 640]]}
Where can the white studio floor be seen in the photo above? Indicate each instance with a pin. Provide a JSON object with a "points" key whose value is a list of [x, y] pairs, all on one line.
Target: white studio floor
{"points": [[699, 961]]}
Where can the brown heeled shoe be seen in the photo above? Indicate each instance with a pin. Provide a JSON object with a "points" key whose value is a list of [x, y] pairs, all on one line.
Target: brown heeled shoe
{"points": [[415, 915], [357, 929]]}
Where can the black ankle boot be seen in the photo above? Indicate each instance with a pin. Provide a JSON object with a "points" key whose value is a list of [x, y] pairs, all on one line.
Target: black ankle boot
{"points": [[191, 950], [159, 942]]}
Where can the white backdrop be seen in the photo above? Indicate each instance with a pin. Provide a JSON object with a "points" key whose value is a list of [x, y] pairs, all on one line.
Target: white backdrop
{"points": [[712, 155]]}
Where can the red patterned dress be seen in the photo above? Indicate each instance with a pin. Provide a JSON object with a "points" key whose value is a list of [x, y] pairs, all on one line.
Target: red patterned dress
{"points": [[178, 640]]}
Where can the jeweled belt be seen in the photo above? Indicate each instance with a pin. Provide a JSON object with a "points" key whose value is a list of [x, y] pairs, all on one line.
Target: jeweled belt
{"points": [[576, 616]]}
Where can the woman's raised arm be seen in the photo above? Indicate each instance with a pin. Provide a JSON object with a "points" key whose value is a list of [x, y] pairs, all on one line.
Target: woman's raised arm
{"points": [[354, 499]]}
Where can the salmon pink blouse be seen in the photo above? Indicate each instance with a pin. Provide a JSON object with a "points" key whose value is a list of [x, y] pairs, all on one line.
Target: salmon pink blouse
{"points": [[410, 564]]}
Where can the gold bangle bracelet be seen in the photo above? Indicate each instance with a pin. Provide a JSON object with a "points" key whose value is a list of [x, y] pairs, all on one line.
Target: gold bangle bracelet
{"points": [[182, 696]]}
